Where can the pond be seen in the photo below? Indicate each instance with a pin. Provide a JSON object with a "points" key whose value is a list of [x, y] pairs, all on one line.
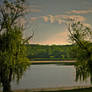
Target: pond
{"points": [[49, 76]]}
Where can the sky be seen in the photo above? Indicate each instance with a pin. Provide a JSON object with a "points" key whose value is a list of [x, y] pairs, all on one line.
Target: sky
{"points": [[47, 18]]}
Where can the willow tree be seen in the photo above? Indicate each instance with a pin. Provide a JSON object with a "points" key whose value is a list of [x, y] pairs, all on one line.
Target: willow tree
{"points": [[81, 37], [13, 60]]}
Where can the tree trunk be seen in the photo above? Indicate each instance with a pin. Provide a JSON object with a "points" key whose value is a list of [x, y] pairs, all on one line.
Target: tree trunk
{"points": [[6, 87]]}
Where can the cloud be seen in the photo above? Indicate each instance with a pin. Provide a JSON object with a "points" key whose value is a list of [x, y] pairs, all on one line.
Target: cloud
{"points": [[80, 11], [76, 17], [32, 8], [59, 18], [60, 21], [46, 19], [65, 17], [34, 18], [87, 25], [51, 18]]}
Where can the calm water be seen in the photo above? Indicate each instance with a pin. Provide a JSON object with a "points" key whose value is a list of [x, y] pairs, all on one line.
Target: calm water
{"points": [[44, 76]]}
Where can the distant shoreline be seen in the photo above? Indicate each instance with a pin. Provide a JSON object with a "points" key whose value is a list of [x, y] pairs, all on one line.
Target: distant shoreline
{"points": [[52, 59], [64, 62]]}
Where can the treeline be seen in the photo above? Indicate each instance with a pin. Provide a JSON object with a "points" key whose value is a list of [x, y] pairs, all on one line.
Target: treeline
{"points": [[46, 52]]}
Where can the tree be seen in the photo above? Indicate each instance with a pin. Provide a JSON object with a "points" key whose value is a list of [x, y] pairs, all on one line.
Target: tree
{"points": [[13, 60], [80, 36]]}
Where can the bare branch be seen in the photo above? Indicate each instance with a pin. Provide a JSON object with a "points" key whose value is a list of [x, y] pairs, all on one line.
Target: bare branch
{"points": [[30, 37]]}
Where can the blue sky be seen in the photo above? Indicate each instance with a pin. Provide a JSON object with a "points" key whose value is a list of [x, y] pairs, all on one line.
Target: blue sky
{"points": [[47, 19]]}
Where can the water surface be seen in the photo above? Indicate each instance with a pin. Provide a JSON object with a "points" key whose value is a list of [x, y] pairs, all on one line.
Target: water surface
{"points": [[49, 76]]}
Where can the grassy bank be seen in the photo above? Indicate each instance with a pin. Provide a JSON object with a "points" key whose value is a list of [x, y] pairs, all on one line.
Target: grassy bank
{"points": [[53, 62], [76, 90], [59, 90]]}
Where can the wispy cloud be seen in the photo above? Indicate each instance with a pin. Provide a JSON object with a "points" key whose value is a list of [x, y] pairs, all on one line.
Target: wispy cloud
{"points": [[34, 18], [31, 8], [80, 11], [76, 17], [60, 21], [51, 18], [87, 25], [45, 18], [58, 18]]}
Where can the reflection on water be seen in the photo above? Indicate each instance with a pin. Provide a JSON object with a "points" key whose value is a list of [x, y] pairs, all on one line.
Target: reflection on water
{"points": [[44, 76], [83, 70]]}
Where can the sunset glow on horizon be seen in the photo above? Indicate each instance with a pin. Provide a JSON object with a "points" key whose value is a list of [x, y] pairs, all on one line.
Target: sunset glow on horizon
{"points": [[49, 17]]}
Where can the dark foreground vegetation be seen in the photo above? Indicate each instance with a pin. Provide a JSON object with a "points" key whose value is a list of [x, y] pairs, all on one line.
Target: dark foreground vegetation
{"points": [[74, 90], [13, 60]]}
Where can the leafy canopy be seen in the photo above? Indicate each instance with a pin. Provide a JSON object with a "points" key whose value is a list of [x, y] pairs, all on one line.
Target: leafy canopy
{"points": [[81, 36], [13, 60]]}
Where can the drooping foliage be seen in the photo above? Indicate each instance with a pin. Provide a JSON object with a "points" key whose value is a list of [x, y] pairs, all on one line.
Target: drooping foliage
{"points": [[13, 60], [81, 36]]}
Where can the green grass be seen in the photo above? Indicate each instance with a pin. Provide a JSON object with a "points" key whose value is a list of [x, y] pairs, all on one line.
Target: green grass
{"points": [[73, 90]]}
